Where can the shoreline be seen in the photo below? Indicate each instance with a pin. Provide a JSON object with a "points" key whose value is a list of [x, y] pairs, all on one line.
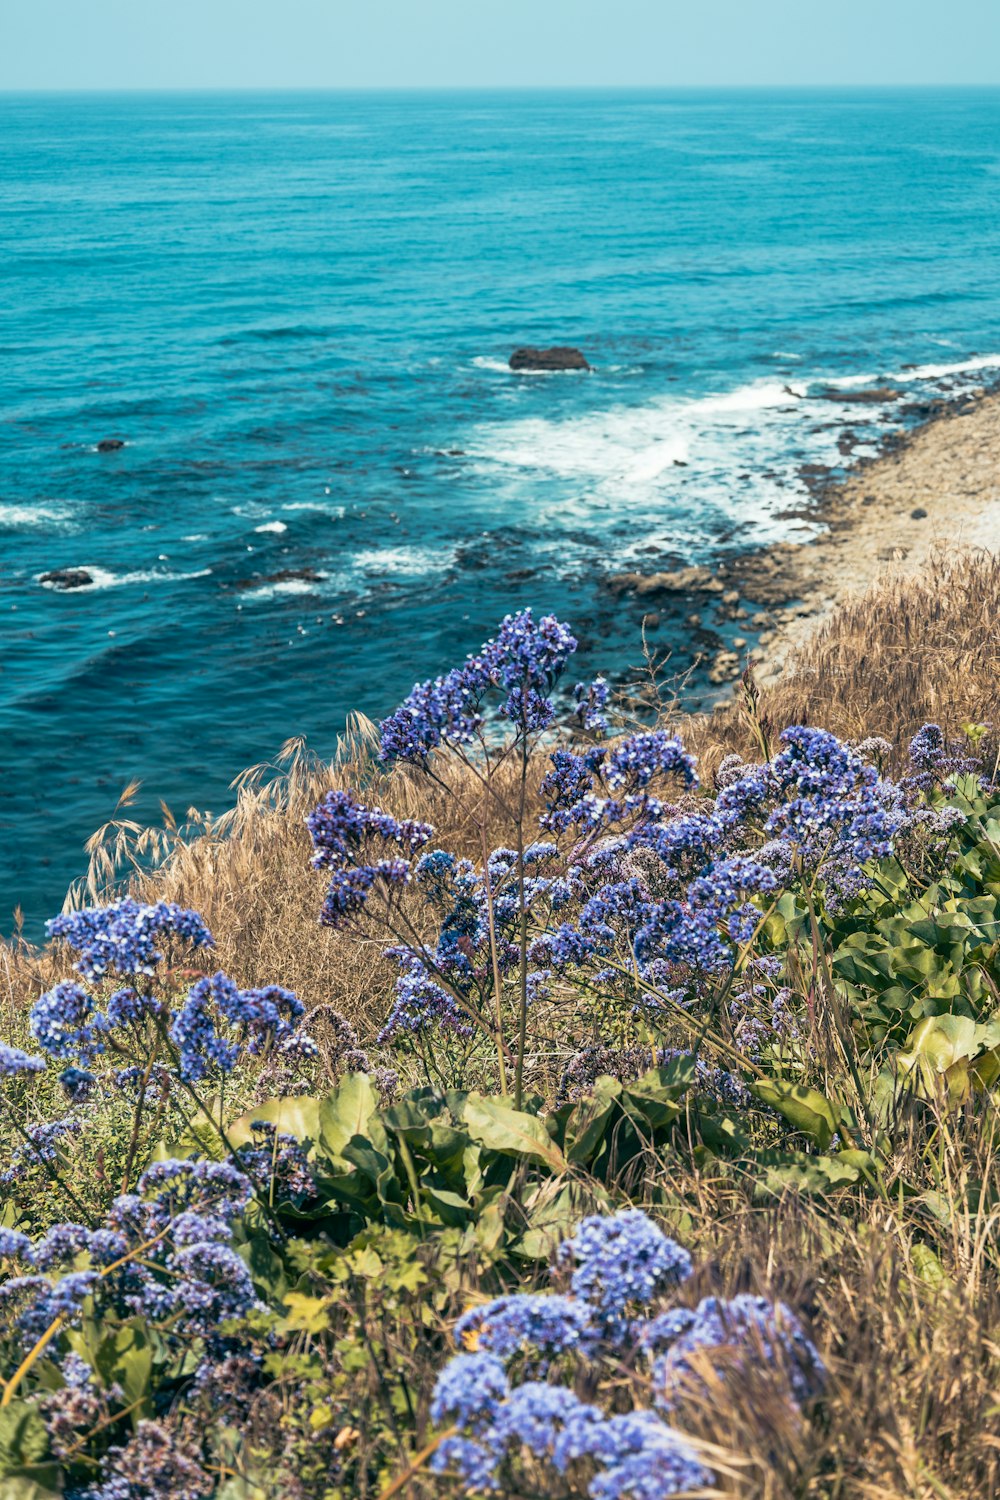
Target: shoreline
{"points": [[932, 488]]}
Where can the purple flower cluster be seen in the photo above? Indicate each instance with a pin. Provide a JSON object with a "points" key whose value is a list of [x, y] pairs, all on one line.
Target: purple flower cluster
{"points": [[525, 661], [621, 1263], [752, 1327], [218, 1019], [350, 840], [66, 1024], [123, 937], [513, 1423], [163, 1253], [42, 1145], [14, 1061], [542, 1325]]}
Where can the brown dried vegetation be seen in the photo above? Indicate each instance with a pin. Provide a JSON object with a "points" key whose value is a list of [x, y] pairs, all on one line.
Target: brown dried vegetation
{"points": [[913, 1342]]}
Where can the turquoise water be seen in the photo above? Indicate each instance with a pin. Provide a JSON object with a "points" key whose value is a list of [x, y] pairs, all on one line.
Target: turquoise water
{"points": [[297, 310]]}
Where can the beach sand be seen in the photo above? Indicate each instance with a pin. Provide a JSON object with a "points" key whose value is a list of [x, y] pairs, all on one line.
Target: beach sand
{"points": [[935, 488]]}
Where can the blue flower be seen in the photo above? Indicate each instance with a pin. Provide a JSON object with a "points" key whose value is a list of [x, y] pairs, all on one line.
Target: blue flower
{"points": [[752, 1327], [14, 1061], [535, 1324], [65, 1024], [218, 1018], [621, 1261], [123, 937], [469, 1390]]}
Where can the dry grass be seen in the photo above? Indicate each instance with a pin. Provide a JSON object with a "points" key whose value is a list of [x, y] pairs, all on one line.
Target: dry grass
{"points": [[913, 650], [912, 1342]]}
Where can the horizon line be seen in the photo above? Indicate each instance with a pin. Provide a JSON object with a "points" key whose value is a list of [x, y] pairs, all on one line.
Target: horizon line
{"points": [[489, 88]]}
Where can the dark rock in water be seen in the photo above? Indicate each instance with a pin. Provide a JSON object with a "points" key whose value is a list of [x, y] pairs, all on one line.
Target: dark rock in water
{"points": [[110, 445], [67, 578], [557, 358], [284, 575], [692, 580], [876, 395]]}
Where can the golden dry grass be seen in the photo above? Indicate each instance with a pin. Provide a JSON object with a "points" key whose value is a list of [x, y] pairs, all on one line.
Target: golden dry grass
{"points": [[912, 650], [912, 1342]]}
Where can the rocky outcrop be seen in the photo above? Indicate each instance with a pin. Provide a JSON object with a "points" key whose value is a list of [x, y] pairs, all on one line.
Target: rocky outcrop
{"points": [[67, 578], [110, 445], [877, 396], [284, 575], [560, 357], [693, 580]]}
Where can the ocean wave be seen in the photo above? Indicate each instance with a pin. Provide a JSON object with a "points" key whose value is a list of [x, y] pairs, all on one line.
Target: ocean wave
{"points": [[960, 367], [489, 362], [415, 561], [102, 578], [18, 516], [286, 586], [624, 446], [331, 509], [276, 526]]}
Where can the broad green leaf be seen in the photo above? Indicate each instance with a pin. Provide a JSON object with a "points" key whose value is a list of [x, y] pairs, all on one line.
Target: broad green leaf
{"points": [[928, 1267], [306, 1314], [346, 1112], [807, 1109], [23, 1438], [587, 1125], [498, 1127], [296, 1115]]}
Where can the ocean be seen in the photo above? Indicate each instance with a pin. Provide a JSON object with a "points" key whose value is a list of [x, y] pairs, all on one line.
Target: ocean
{"points": [[296, 311]]}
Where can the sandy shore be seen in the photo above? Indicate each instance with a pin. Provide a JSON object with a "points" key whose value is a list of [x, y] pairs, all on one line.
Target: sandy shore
{"points": [[935, 486]]}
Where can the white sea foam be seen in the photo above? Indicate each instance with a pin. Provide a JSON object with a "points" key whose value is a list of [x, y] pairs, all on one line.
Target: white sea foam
{"points": [[487, 362], [17, 516], [626, 447], [102, 578], [276, 526], [413, 561], [960, 367], [335, 512], [285, 586]]}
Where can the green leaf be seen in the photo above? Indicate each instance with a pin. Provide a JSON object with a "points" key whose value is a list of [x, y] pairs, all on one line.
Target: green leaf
{"points": [[346, 1112], [296, 1115], [807, 1109], [813, 1176], [937, 1055], [125, 1357], [588, 1124], [306, 1314], [23, 1438], [498, 1127], [928, 1267]]}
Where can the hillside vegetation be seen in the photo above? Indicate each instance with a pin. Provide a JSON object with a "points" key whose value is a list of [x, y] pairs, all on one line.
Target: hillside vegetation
{"points": [[531, 1101]]}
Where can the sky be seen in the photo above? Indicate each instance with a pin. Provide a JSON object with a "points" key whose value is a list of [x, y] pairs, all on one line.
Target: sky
{"points": [[336, 44]]}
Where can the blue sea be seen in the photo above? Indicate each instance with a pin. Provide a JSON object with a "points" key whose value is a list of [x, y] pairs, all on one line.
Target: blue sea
{"points": [[296, 312]]}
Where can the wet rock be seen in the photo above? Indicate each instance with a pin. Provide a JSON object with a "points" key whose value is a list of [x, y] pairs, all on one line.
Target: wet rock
{"points": [[67, 578], [693, 580], [724, 668], [284, 575], [559, 357], [110, 445], [877, 395]]}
